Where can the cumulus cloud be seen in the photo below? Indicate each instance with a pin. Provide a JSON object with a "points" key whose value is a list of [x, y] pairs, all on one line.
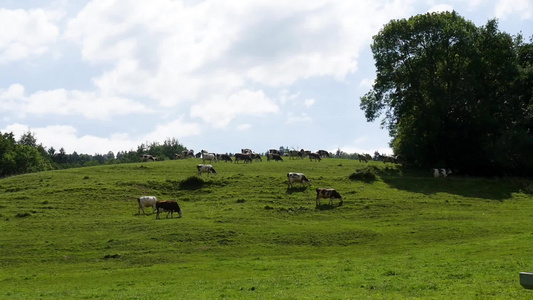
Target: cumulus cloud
{"points": [[219, 112], [522, 8], [26, 33], [91, 105], [441, 8], [174, 51], [68, 137]]}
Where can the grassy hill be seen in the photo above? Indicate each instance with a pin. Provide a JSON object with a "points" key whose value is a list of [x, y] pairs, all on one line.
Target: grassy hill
{"points": [[76, 234]]}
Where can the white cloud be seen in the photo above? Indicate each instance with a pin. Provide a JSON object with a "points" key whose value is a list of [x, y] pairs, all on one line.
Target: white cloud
{"points": [[174, 52], [243, 127], [367, 83], [522, 8], [309, 102], [67, 137], [26, 33], [441, 8], [219, 112], [292, 118], [90, 105]]}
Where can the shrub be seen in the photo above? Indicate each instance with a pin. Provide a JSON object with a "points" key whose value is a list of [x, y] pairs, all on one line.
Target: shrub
{"points": [[191, 183], [367, 174]]}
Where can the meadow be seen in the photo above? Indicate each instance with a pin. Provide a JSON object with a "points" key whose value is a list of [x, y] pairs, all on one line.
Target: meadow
{"points": [[76, 234]]}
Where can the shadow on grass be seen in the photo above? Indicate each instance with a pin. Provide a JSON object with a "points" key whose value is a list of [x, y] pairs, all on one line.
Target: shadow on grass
{"points": [[327, 206], [292, 190], [474, 187]]}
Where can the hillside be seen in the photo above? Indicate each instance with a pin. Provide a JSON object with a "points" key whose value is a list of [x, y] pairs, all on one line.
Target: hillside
{"points": [[76, 234]]}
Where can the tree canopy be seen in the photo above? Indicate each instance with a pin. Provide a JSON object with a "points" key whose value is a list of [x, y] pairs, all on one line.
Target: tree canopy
{"points": [[454, 95]]}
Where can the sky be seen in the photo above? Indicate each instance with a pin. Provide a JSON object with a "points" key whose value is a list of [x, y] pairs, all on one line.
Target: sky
{"points": [[109, 75]]}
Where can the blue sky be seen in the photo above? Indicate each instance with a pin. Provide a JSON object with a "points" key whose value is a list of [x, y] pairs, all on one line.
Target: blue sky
{"points": [[108, 75]]}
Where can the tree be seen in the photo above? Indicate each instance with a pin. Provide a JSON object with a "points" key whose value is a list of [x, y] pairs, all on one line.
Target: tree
{"points": [[448, 93]]}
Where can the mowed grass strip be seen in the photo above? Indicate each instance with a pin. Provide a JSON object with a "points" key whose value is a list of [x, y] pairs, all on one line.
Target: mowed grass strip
{"points": [[245, 234]]}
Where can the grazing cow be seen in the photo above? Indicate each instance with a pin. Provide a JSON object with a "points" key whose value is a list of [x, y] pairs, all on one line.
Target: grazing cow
{"points": [[296, 154], [314, 156], [177, 156], [247, 158], [297, 177], [246, 151], [170, 207], [146, 201], [362, 158], [274, 156], [148, 157], [256, 157], [206, 169], [212, 157], [225, 157], [323, 153], [274, 151], [327, 193], [187, 154]]}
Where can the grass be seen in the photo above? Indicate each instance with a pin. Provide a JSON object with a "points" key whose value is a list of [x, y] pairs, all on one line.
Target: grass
{"points": [[399, 235]]}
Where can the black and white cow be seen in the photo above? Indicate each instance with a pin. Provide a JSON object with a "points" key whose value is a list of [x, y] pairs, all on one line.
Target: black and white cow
{"points": [[327, 193], [257, 157], [323, 153], [246, 151], [211, 157], [148, 157], [206, 169], [273, 156], [274, 151], [314, 156], [146, 201], [226, 158], [170, 207], [247, 158], [298, 178]]}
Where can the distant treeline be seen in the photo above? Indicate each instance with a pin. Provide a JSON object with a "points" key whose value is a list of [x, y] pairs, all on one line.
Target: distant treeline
{"points": [[27, 156]]}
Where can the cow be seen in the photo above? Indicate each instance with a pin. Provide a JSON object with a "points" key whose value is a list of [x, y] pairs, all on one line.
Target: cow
{"points": [[256, 157], [327, 193], [246, 151], [225, 157], [274, 156], [146, 201], [177, 156], [206, 169], [274, 151], [170, 207], [362, 158], [297, 177], [323, 153], [187, 154], [314, 156], [212, 157], [148, 157], [245, 157], [296, 154]]}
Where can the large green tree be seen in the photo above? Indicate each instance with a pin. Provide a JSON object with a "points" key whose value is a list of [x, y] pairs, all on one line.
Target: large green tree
{"points": [[452, 94]]}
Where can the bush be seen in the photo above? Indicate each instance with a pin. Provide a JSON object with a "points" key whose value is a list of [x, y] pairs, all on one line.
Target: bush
{"points": [[191, 183], [367, 174]]}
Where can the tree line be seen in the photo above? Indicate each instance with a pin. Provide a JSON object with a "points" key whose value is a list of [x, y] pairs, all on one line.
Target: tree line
{"points": [[453, 95], [25, 155]]}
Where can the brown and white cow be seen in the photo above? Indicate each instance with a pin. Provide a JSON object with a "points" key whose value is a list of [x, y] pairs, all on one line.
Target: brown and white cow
{"points": [[327, 193], [170, 207], [297, 178], [146, 201], [314, 156], [206, 169]]}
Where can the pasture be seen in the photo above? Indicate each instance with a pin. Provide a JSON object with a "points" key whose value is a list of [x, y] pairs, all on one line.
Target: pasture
{"points": [[245, 235]]}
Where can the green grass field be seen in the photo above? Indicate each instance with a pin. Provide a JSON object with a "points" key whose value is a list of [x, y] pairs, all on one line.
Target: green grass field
{"points": [[244, 235]]}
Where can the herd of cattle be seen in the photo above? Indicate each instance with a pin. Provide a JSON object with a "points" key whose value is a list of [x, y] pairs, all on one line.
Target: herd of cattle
{"points": [[247, 156]]}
